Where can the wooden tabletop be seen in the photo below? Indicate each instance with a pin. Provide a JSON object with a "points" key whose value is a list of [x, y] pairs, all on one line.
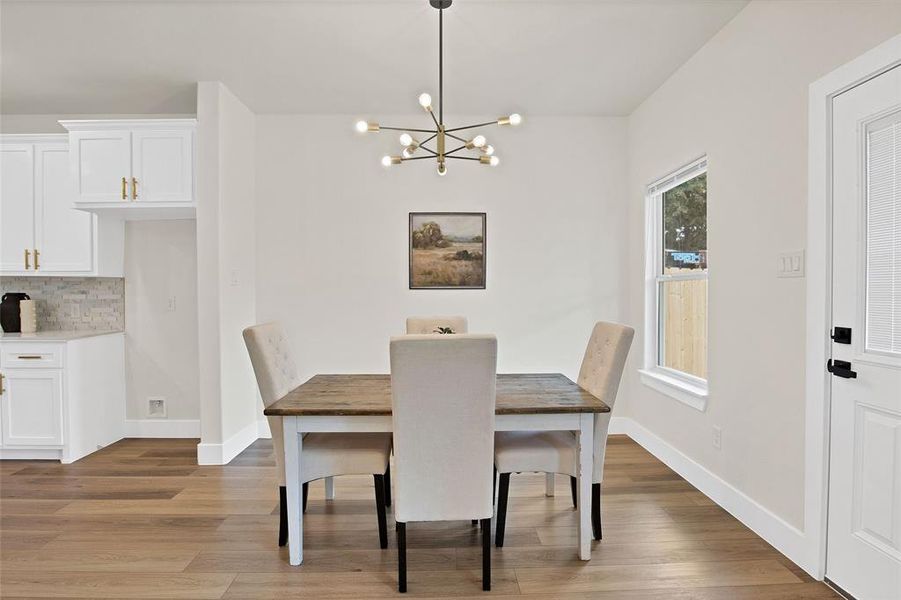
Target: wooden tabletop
{"points": [[369, 395]]}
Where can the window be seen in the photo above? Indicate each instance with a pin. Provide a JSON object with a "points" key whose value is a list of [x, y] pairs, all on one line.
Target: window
{"points": [[676, 307]]}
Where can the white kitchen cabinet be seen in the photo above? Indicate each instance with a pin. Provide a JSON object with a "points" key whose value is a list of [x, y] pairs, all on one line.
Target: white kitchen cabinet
{"points": [[63, 394], [32, 407], [134, 169], [40, 231]]}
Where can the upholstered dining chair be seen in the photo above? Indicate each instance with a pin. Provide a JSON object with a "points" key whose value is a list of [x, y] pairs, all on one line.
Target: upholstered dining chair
{"points": [[324, 454], [557, 451], [431, 324], [443, 396]]}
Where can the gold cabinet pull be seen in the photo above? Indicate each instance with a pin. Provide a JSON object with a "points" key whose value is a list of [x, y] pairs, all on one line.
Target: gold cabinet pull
{"points": [[124, 190], [2, 389], [134, 188], [37, 265], [27, 259]]}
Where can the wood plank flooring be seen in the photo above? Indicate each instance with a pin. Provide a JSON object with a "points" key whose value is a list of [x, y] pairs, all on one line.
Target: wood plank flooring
{"points": [[141, 520]]}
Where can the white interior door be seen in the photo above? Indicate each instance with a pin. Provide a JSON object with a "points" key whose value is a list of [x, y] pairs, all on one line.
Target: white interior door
{"points": [[63, 235], [163, 165], [16, 206], [863, 554], [101, 165]]}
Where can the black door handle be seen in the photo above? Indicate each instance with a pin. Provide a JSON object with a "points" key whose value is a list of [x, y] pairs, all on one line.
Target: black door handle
{"points": [[841, 368]]}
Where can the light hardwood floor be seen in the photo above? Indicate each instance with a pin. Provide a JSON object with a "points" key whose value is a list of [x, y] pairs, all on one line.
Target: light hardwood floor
{"points": [[141, 520]]}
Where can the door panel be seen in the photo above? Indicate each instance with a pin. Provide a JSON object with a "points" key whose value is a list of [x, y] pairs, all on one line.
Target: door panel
{"points": [[100, 159], [864, 521], [63, 235], [16, 206], [32, 407], [163, 165]]}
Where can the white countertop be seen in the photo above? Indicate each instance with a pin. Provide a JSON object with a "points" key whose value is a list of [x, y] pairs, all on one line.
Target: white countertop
{"points": [[52, 336]]}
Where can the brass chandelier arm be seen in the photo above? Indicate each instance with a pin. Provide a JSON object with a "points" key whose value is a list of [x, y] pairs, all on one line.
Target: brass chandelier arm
{"points": [[405, 159], [470, 126], [463, 157], [458, 138], [428, 139], [409, 129], [429, 150]]}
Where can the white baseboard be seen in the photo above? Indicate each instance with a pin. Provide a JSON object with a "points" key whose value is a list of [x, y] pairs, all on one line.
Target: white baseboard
{"points": [[31, 454], [162, 428], [221, 454], [786, 538]]}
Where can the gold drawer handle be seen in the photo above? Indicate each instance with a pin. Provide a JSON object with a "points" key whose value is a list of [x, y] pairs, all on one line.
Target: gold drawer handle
{"points": [[37, 265], [134, 188], [30, 357], [27, 257], [124, 191], [2, 389]]}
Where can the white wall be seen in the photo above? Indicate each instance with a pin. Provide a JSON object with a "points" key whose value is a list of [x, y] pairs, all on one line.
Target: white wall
{"points": [[226, 263], [332, 223], [742, 99], [161, 342]]}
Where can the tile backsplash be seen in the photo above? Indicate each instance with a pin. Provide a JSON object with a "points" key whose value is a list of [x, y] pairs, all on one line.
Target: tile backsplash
{"points": [[73, 303]]}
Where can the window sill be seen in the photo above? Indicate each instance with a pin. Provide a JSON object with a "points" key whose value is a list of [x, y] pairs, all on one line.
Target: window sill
{"points": [[691, 394]]}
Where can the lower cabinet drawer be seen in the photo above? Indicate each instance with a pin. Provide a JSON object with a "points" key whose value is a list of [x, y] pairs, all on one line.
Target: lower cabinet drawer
{"points": [[26, 355]]}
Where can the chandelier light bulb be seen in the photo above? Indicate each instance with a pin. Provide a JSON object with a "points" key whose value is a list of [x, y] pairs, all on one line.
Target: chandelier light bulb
{"points": [[406, 139], [494, 161], [488, 149], [387, 161], [408, 151], [515, 119], [425, 101], [442, 169], [478, 141], [362, 126]]}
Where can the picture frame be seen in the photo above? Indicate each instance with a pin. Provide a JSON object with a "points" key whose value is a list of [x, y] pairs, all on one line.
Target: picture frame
{"points": [[447, 250]]}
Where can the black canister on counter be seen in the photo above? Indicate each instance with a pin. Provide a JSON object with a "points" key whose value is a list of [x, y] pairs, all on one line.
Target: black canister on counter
{"points": [[9, 311]]}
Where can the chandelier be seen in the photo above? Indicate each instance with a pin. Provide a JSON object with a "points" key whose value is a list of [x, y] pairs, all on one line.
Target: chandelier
{"points": [[475, 148]]}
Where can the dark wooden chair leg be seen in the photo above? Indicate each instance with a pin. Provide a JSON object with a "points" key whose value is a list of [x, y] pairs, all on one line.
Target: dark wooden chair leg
{"points": [[380, 509], [402, 557], [502, 495], [573, 486], [596, 510], [306, 489], [282, 515], [388, 485], [486, 555]]}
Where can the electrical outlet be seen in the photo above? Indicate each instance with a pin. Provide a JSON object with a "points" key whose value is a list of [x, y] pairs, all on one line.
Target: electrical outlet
{"points": [[156, 407], [170, 304], [717, 437]]}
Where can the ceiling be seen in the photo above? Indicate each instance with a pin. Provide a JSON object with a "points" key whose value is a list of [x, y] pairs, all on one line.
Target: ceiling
{"points": [[374, 57]]}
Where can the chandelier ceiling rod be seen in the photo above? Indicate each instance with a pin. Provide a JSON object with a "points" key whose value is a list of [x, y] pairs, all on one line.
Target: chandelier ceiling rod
{"points": [[440, 133]]}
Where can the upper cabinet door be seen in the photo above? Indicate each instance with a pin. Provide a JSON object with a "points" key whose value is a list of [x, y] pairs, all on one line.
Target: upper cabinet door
{"points": [[16, 207], [101, 165], [163, 165], [63, 235]]}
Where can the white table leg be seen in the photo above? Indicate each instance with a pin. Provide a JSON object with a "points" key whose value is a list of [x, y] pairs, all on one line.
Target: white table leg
{"points": [[586, 452], [549, 479], [329, 488], [293, 448]]}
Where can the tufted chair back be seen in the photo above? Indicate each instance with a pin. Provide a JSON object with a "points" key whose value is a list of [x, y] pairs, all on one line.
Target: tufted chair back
{"points": [[276, 375], [428, 325], [601, 372]]}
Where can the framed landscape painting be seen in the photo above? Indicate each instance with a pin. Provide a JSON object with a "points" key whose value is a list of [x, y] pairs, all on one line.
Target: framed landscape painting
{"points": [[447, 251]]}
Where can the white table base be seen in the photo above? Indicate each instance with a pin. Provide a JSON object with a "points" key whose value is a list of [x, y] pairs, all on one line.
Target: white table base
{"points": [[295, 426]]}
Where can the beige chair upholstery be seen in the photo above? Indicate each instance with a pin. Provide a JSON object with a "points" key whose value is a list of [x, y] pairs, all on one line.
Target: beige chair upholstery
{"points": [[443, 399], [324, 454], [555, 452], [426, 325]]}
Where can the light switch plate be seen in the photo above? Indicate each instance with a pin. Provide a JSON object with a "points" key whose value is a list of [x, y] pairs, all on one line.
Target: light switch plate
{"points": [[790, 264]]}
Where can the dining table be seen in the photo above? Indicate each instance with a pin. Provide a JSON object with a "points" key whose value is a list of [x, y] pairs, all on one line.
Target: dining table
{"points": [[362, 403]]}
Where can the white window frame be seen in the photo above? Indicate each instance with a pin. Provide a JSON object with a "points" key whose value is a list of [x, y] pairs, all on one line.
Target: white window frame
{"points": [[686, 388]]}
